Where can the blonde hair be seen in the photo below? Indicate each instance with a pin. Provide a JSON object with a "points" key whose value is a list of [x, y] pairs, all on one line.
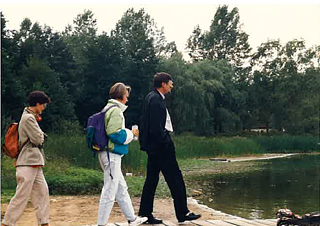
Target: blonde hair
{"points": [[118, 90]]}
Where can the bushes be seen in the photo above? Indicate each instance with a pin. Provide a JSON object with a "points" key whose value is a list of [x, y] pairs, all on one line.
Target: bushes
{"points": [[8, 173], [189, 146], [62, 178], [71, 148], [75, 181], [286, 143]]}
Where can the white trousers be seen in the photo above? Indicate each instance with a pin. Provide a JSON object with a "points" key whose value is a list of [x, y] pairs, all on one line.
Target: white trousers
{"points": [[30, 183], [113, 189]]}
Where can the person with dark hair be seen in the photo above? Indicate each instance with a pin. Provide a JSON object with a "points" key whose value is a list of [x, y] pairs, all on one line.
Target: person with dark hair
{"points": [[30, 178], [115, 186], [155, 129], [37, 97]]}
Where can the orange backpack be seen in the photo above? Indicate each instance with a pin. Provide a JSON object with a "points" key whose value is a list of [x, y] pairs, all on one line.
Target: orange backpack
{"points": [[11, 141]]}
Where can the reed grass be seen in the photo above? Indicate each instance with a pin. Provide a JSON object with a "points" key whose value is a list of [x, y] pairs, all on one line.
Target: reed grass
{"points": [[71, 167], [287, 143], [73, 149]]}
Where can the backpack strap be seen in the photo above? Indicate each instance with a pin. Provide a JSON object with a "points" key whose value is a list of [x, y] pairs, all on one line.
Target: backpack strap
{"points": [[107, 149], [20, 148], [109, 108]]}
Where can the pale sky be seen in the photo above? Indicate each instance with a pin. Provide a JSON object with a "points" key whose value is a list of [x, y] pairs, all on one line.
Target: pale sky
{"points": [[275, 20]]}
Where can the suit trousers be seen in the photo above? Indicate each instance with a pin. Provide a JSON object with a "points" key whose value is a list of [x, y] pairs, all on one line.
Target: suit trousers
{"points": [[164, 161], [30, 183]]}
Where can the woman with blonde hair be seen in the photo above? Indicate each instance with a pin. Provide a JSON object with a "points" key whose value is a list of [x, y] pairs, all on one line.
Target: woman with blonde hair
{"points": [[115, 186]]}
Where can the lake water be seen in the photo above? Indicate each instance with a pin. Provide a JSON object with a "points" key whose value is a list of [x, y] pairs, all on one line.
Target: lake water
{"points": [[291, 183]]}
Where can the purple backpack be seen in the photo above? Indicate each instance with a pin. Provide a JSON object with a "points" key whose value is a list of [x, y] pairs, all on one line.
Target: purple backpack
{"points": [[96, 138]]}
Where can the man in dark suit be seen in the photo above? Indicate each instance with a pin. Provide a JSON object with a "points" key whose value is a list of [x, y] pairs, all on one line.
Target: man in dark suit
{"points": [[155, 139]]}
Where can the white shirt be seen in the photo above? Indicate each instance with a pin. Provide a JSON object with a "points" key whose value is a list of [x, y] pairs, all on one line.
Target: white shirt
{"points": [[168, 125]]}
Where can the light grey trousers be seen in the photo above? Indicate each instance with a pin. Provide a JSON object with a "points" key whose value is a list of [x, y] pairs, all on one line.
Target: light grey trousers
{"points": [[113, 189], [30, 183]]}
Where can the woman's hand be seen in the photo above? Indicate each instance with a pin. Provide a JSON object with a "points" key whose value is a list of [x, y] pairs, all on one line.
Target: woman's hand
{"points": [[135, 132]]}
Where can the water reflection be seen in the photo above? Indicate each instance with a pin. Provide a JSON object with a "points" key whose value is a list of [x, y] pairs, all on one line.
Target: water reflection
{"points": [[291, 183]]}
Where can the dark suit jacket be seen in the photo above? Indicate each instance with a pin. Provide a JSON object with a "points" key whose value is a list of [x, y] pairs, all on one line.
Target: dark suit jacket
{"points": [[152, 133]]}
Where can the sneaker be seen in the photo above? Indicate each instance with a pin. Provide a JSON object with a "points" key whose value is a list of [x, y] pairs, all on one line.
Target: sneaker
{"points": [[190, 217], [138, 221], [152, 220]]}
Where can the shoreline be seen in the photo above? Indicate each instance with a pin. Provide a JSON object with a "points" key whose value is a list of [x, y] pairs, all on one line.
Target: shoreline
{"points": [[254, 158], [213, 211]]}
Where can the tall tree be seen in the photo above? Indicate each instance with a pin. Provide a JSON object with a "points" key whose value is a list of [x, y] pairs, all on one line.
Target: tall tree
{"points": [[298, 89], [103, 67], [26, 72], [139, 40], [179, 109], [205, 99], [195, 45], [224, 40], [12, 90], [37, 75], [282, 86], [80, 37]]}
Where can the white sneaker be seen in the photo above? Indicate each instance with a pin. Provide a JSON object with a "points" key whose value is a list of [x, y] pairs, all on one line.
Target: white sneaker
{"points": [[138, 221]]}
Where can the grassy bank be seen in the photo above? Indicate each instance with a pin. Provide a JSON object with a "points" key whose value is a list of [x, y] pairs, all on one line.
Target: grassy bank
{"points": [[72, 169], [73, 148]]}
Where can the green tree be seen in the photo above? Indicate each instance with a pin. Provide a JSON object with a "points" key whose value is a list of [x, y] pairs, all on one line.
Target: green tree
{"points": [[205, 99], [282, 91], [25, 71], [39, 76], [183, 116], [140, 42], [195, 44], [103, 67], [80, 38], [12, 92], [224, 40], [298, 89]]}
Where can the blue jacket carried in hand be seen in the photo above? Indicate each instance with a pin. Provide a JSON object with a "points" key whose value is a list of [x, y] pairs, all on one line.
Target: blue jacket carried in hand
{"points": [[119, 136]]}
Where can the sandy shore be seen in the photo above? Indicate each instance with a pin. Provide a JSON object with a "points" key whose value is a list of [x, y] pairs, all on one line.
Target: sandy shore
{"points": [[83, 210]]}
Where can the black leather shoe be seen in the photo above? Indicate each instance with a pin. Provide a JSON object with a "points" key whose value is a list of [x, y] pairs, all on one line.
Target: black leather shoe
{"points": [[152, 220], [190, 217]]}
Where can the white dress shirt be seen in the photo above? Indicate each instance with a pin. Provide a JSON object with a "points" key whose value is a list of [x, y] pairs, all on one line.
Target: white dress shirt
{"points": [[168, 125]]}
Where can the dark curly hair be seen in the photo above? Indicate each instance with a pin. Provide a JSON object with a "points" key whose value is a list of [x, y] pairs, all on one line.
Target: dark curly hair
{"points": [[37, 97]]}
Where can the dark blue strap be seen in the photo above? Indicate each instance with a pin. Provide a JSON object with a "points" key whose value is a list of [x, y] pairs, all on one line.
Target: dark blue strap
{"points": [[109, 108], [107, 148]]}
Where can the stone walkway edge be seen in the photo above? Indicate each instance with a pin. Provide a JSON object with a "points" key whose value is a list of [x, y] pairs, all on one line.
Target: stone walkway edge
{"points": [[229, 220]]}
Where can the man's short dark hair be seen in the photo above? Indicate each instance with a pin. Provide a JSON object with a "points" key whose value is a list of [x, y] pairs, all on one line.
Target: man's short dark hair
{"points": [[161, 77], [37, 97], [117, 91]]}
